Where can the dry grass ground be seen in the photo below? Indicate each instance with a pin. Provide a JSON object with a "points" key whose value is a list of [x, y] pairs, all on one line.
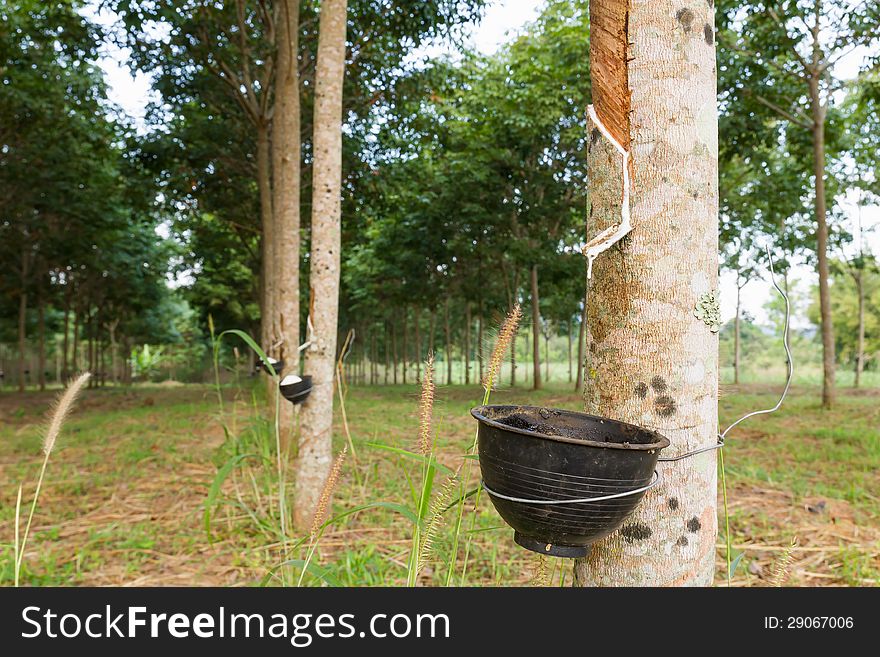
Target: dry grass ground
{"points": [[124, 497]]}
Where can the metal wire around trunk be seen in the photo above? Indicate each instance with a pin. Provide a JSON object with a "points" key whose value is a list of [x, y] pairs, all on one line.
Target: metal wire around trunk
{"points": [[789, 362], [613, 496]]}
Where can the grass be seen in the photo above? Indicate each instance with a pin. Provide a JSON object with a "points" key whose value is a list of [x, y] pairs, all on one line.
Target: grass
{"points": [[124, 500]]}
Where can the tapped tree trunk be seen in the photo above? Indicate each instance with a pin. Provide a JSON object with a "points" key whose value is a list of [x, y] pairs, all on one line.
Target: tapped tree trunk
{"points": [[536, 332], [653, 362], [828, 359], [315, 445], [736, 330], [286, 201]]}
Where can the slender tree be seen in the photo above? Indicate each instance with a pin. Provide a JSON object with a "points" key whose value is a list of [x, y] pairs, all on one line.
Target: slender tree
{"points": [[315, 448], [286, 194]]}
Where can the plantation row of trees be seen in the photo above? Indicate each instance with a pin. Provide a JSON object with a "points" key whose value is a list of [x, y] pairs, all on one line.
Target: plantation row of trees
{"points": [[80, 254], [463, 178]]}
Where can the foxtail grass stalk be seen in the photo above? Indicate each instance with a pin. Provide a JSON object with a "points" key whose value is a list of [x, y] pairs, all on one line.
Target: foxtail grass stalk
{"points": [[506, 336], [319, 520], [62, 408]]}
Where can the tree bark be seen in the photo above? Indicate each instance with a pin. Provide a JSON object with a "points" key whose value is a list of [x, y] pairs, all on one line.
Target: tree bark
{"points": [[267, 243], [570, 337], [41, 332], [65, 340], [22, 320], [514, 294], [315, 446], [536, 331], [387, 353], [579, 377], [480, 343], [828, 357], [394, 351], [860, 344], [448, 344], [405, 336], [467, 344], [286, 154], [75, 355], [652, 361], [418, 347], [736, 331]]}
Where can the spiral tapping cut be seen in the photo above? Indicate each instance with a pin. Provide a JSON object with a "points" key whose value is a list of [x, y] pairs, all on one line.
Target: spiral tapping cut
{"points": [[613, 234]]}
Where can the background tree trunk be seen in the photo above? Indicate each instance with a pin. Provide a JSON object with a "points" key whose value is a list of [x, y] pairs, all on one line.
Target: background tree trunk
{"points": [[267, 243], [315, 445], [417, 314], [652, 362], [828, 359], [480, 343], [22, 321], [394, 350], [41, 331], [536, 331], [467, 344], [405, 340], [736, 331], [286, 200], [448, 344], [570, 373], [579, 378], [860, 344]]}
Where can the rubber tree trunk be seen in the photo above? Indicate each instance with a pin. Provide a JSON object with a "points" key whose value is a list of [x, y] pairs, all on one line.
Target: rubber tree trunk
{"points": [[536, 331], [405, 340], [860, 344], [417, 317], [394, 350], [828, 359], [514, 294], [579, 378], [264, 185], [75, 354], [111, 329], [570, 373], [736, 332], [480, 342], [65, 342], [315, 447], [448, 343], [22, 321], [387, 353], [652, 361], [41, 334], [467, 344], [286, 200]]}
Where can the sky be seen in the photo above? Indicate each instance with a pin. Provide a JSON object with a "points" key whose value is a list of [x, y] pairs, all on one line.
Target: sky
{"points": [[503, 17]]}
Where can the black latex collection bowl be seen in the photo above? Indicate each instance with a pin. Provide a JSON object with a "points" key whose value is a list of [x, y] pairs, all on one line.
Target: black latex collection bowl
{"points": [[554, 455], [297, 392]]}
